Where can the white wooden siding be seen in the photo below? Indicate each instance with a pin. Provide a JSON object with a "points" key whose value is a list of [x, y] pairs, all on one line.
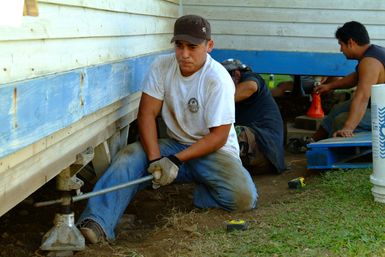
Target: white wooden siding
{"points": [[43, 57], [97, 52], [295, 4], [70, 34], [286, 25]]}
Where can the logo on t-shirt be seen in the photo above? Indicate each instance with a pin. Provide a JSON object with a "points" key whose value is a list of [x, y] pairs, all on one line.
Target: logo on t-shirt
{"points": [[193, 105]]}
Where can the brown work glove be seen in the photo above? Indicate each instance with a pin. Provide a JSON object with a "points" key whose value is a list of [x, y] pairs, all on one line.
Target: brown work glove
{"points": [[164, 170]]}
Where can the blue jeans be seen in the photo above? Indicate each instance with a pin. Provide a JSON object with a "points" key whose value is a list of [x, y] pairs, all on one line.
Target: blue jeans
{"points": [[222, 182], [335, 120]]}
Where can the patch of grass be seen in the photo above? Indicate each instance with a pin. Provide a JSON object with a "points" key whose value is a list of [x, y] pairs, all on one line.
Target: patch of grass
{"points": [[334, 215], [277, 78]]}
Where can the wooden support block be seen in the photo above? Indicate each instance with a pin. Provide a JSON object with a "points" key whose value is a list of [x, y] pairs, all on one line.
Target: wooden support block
{"points": [[114, 144], [292, 132], [124, 136], [306, 122], [102, 159]]}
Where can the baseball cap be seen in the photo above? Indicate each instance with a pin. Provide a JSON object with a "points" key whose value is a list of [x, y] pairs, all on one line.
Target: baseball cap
{"points": [[192, 28], [233, 64]]}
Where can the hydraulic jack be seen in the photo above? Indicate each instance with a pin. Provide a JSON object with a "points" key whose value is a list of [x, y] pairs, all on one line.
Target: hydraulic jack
{"points": [[64, 237]]}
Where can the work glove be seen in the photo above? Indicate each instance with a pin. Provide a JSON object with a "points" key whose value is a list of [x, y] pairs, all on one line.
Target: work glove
{"points": [[164, 170]]}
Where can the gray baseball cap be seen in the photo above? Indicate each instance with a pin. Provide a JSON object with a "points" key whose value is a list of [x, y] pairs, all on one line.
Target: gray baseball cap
{"points": [[233, 64]]}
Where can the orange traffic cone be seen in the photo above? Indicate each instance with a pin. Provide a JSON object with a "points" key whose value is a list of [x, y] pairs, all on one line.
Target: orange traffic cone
{"points": [[315, 110]]}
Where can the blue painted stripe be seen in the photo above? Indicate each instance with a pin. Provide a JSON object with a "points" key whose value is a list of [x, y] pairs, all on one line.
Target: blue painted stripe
{"points": [[33, 109], [294, 63]]}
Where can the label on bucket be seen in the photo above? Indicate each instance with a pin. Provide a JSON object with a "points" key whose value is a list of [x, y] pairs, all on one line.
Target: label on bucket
{"points": [[378, 122]]}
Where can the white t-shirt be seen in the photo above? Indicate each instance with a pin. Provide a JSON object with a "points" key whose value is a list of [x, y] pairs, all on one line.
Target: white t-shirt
{"points": [[193, 104]]}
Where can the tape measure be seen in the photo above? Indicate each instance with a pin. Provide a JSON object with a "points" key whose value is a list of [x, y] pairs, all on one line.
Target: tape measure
{"points": [[297, 183], [237, 224]]}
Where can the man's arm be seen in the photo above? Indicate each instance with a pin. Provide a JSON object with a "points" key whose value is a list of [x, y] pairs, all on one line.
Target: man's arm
{"points": [[346, 82], [149, 108], [369, 71], [245, 89], [208, 144]]}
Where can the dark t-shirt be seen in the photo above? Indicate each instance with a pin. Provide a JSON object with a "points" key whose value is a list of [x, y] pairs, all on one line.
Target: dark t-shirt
{"points": [[261, 113], [377, 52]]}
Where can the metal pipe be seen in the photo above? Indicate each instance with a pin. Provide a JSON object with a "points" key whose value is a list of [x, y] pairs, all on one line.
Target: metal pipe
{"points": [[100, 192]]}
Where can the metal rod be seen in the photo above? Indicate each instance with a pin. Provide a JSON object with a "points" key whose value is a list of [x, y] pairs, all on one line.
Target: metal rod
{"points": [[100, 192], [46, 203], [114, 188]]}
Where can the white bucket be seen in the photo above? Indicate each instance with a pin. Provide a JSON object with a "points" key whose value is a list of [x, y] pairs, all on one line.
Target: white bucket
{"points": [[378, 142]]}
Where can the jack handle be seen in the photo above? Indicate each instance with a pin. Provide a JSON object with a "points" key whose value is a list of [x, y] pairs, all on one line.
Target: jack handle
{"points": [[92, 194]]}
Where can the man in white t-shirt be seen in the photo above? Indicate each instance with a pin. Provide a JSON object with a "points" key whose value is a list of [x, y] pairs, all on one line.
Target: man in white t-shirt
{"points": [[195, 96]]}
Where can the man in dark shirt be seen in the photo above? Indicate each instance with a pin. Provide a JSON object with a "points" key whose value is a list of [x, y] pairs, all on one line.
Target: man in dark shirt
{"points": [[354, 115], [258, 121]]}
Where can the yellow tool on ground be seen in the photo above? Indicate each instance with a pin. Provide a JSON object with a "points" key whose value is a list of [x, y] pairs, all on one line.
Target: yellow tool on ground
{"points": [[237, 224], [297, 183]]}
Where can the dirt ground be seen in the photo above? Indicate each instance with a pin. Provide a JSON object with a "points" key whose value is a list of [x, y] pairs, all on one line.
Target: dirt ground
{"points": [[153, 222], [156, 222]]}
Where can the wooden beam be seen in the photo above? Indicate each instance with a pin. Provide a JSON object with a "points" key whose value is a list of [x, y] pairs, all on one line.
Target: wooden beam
{"points": [[131, 103]]}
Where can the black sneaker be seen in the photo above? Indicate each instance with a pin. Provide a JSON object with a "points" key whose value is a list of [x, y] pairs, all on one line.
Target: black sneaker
{"points": [[299, 145], [92, 231]]}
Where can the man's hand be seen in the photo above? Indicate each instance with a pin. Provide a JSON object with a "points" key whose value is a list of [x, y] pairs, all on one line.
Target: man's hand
{"points": [[322, 88], [343, 133], [164, 170]]}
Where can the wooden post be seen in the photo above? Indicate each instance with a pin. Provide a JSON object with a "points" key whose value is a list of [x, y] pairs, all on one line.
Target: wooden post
{"points": [[102, 158], [30, 8]]}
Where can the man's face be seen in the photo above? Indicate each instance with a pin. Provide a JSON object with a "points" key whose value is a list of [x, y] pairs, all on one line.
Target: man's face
{"points": [[346, 49], [191, 57]]}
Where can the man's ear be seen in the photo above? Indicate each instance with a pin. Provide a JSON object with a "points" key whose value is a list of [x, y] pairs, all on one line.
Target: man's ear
{"points": [[210, 45], [237, 76], [351, 42]]}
